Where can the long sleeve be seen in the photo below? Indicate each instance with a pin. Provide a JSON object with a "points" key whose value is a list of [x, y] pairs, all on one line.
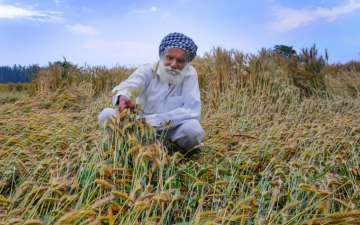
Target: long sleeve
{"points": [[191, 108], [136, 81]]}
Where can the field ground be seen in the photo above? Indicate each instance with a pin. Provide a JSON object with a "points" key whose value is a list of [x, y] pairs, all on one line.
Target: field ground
{"points": [[271, 156]]}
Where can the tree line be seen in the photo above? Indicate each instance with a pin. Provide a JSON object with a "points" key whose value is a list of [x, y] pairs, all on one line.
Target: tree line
{"points": [[18, 73]]}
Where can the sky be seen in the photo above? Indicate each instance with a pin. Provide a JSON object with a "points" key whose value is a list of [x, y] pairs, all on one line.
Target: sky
{"points": [[128, 32]]}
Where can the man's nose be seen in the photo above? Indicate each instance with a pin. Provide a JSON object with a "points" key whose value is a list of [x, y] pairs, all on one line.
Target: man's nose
{"points": [[173, 64]]}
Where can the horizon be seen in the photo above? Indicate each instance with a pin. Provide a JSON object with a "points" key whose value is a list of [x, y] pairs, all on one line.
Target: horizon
{"points": [[128, 33], [130, 66]]}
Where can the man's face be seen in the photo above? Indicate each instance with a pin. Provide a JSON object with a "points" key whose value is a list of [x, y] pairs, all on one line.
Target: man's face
{"points": [[173, 67], [175, 58]]}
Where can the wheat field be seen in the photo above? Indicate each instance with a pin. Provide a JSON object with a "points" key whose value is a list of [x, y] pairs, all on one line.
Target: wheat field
{"points": [[282, 146]]}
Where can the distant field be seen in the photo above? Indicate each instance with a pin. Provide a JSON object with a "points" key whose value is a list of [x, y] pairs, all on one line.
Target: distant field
{"points": [[10, 93], [282, 147]]}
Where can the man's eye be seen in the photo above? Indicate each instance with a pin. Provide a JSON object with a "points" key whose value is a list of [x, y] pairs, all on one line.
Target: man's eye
{"points": [[169, 58], [181, 60]]}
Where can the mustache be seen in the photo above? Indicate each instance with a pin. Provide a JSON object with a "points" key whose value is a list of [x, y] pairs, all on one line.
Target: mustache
{"points": [[172, 71]]}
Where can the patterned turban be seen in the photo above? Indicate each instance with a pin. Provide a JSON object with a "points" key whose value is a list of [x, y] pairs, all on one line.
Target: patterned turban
{"points": [[179, 40]]}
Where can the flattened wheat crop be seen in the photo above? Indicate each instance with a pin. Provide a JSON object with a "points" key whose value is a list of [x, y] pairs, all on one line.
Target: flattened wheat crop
{"points": [[275, 152]]}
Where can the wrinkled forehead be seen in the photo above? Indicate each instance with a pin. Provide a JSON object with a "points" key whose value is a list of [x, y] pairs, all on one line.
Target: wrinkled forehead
{"points": [[177, 53]]}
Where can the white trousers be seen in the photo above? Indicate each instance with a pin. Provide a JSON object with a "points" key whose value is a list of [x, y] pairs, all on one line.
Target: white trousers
{"points": [[187, 134]]}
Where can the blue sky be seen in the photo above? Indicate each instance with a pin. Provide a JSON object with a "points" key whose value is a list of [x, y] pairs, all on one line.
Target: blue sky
{"points": [[125, 32]]}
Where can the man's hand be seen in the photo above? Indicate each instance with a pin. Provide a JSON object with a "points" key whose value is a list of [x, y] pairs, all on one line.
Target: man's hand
{"points": [[126, 103]]}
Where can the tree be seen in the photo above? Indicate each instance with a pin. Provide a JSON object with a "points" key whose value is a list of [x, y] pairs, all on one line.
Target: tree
{"points": [[18, 73], [284, 50]]}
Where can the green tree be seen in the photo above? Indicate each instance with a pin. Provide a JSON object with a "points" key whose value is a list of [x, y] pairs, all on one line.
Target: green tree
{"points": [[284, 50]]}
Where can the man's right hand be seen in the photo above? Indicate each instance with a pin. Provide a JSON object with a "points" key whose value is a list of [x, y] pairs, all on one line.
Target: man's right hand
{"points": [[126, 103]]}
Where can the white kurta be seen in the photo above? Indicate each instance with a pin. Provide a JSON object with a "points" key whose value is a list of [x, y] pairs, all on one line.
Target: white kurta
{"points": [[162, 102]]}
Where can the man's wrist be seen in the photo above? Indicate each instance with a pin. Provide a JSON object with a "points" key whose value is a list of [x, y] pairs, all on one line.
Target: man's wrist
{"points": [[119, 98]]}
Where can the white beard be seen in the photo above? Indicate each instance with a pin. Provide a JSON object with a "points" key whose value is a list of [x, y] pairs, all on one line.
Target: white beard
{"points": [[171, 76]]}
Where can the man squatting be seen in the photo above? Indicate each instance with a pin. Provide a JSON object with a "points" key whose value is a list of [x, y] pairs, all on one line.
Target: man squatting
{"points": [[170, 92]]}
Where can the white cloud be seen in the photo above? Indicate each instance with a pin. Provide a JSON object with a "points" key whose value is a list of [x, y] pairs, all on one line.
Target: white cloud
{"points": [[122, 50], [130, 47], [57, 2], [19, 12], [152, 9], [82, 29], [109, 51], [290, 18]]}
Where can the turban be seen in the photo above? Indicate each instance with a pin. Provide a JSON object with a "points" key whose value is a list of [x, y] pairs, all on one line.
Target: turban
{"points": [[179, 40]]}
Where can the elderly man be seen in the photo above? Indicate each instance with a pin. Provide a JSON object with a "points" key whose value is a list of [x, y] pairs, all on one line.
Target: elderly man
{"points": [[169, 92]]}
